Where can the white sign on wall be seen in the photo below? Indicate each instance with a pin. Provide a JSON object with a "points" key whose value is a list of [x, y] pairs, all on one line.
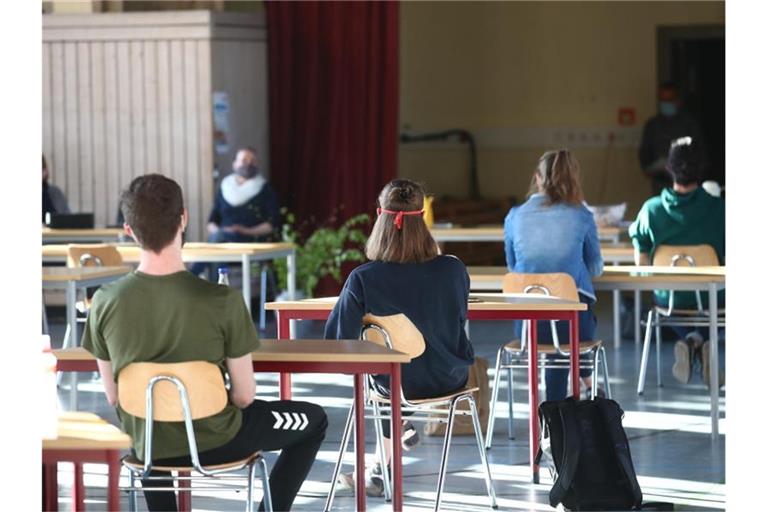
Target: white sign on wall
{"points": [[221, 135]]}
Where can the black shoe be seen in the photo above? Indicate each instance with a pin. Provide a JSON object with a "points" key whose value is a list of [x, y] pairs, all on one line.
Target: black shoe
{"points": [[600, 393]]}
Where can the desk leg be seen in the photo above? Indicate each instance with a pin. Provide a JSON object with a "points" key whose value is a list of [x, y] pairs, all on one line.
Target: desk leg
{"points": [[185, 493], [637, 317], [291, 263], [73, 340], [575, 384], [246, 262], [397, 449], [714, 368], [359, 442], [78, 489], [51, 487], [113, 480], [283, 333], [533, 398]]}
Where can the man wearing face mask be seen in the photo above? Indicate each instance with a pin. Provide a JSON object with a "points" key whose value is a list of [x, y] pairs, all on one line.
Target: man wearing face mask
{"points": [[245, 208], [669, 124]]}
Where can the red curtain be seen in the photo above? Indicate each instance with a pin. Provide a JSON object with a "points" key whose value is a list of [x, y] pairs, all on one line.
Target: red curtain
{"points": [[333, 102]]}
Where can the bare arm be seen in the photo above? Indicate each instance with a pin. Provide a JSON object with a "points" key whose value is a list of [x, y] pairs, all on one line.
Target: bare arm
{"points": [[108, 378], [642, 258], [212, 228], [243, 387]]}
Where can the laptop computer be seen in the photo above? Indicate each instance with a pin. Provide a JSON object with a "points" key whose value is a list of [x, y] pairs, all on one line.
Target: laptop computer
{"points": [[69, 220]]}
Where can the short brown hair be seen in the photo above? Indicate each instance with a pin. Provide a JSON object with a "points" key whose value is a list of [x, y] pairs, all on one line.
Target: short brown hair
{"points": [[412, 243], [558, 172], [153, 205]]}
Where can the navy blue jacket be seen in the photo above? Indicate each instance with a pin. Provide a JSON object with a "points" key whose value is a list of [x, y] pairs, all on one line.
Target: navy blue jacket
{"points": [[433, 295]]}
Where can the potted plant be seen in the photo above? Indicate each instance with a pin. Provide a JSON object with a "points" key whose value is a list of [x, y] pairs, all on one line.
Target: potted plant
{"points": [[321, 253]]}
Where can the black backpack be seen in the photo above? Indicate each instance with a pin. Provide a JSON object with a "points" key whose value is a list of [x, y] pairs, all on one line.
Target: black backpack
{"points": [[588, 448]]}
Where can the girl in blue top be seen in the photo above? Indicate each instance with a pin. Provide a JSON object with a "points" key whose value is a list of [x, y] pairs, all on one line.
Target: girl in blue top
{"points": [[554, 232]]}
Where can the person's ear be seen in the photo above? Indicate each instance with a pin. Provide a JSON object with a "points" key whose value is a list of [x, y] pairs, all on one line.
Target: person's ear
{"points": [[184, 219], [129, 231]]}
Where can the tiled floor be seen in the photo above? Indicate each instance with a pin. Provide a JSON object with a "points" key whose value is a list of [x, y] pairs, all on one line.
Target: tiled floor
{"points": [[674, 457]]}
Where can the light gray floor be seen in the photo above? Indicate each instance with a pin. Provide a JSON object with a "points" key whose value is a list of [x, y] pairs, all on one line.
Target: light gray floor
{"points": [[668, 428]]}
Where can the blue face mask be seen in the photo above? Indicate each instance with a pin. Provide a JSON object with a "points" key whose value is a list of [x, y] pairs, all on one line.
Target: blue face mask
{"points": [[667, 108]]}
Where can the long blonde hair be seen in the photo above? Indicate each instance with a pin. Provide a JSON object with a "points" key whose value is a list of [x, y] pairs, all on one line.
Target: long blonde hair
{"points": [[558, 177]]}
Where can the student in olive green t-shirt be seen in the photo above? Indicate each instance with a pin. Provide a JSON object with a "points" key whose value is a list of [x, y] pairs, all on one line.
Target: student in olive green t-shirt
{"points": [[162, 313], [684, 214]]}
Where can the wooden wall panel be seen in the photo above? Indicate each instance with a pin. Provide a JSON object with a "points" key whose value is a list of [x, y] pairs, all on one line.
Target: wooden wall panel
{"points": [[130, 93]]}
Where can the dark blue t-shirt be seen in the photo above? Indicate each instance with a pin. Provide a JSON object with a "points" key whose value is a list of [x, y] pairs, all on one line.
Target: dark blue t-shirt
{"points": [[263, 207], [433, 295]]}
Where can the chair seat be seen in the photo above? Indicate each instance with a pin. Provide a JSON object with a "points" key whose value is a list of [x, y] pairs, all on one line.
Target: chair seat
{"points": [[687, 312], [134, 464], [547, 349], [424, 401]]}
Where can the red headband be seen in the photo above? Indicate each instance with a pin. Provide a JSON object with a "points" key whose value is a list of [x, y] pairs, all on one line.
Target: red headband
{"points": [[399, 215]]}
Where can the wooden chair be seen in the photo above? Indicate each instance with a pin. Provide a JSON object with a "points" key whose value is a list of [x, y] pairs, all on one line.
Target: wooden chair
{"points": [[180, 392], [397, 332], [685, 256], [515, 353]]}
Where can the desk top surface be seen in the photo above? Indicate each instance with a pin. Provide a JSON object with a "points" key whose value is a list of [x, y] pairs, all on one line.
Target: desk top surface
{"points": [[54, 274], [86, 431], [311, 351], [499, 231], [132, 252], [49, 232], [624, 273], [477, 302]]}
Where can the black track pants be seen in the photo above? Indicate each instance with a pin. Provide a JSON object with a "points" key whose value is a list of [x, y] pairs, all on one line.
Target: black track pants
{"points": [[298, 439]]}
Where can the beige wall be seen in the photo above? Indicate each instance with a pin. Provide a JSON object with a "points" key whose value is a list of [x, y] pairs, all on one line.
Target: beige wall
{"points": [[529, 76]]}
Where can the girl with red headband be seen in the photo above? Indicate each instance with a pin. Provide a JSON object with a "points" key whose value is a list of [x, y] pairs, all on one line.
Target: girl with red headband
{"points": [[407, 275]]}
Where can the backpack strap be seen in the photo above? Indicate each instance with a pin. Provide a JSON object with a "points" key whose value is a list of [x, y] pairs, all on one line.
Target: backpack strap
{"points": [[571, 452], [612, 415]]}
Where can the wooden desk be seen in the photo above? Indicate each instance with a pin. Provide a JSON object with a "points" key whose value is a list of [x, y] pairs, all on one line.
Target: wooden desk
{"points": [[496, 234], [703, 279], [193, 252], [316, 356], [492, 307], [82, 235], [83, 437], [70, 280]]}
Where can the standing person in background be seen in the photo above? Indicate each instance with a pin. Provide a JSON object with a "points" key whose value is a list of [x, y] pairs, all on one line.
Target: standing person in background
{"points": [[54, 200], [659, 131], [245, 208], [683, 214], [554, 232]]}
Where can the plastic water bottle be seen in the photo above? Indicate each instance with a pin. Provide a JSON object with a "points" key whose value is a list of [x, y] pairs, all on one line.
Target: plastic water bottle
{"points": [[224, 276]]}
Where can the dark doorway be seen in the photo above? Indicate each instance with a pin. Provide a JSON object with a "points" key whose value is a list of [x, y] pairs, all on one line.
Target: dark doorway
{"points": [[693, 57]]}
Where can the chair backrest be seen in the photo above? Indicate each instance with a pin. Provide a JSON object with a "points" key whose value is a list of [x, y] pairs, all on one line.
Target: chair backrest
{"points": [[96, 255], [557, 284], [405, 336], [203, 381], [703, 255]]}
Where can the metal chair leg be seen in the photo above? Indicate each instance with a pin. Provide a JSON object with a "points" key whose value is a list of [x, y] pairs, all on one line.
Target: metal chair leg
{"points": [[510, 404], [483, 455], [249, 494], [646, 349], [263, 298], [267, 498], [658, 350], [444, 459], [494, 398], [382, 452], [342, 451], [595, 363], [133, 494], [606, 380]]}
